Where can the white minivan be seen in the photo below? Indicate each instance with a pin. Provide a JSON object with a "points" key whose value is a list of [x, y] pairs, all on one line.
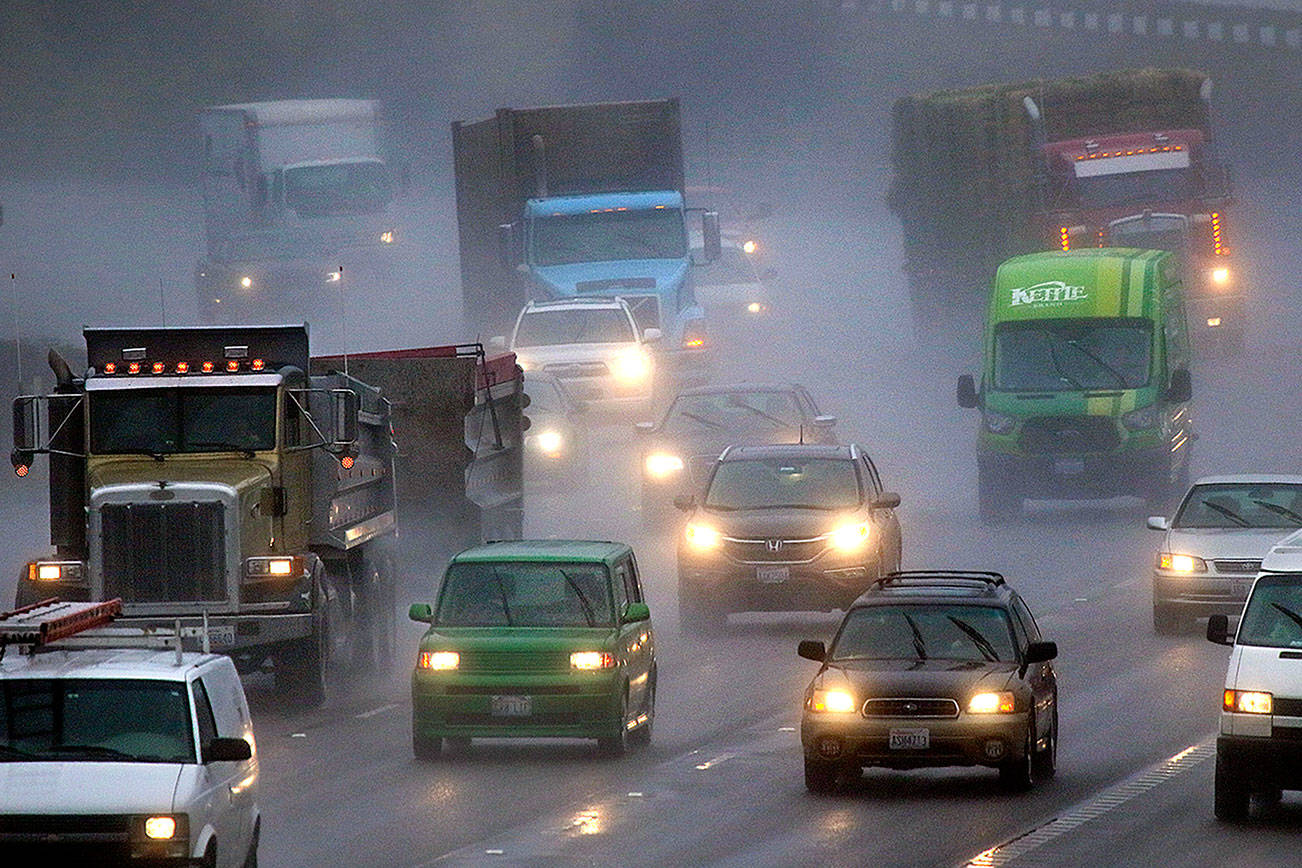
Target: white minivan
{"points": [[1259, 748], [113, 756]]}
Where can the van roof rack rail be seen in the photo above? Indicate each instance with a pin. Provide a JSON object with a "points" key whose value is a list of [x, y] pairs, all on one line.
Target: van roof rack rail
{"points": [[67, 624]]}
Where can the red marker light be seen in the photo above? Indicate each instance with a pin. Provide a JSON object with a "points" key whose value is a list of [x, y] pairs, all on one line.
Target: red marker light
{"points": [[158, 367], [183, 367], [233, 365], [258, 364], [21, 470], [206, 367], [133, 368], [346, 462], [110, 367]]}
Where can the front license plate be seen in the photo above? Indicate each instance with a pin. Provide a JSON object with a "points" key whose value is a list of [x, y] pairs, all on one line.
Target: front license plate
{"points": [[913, 738], [219, 635], [512, 706], [1069, 466], [772, 575]]}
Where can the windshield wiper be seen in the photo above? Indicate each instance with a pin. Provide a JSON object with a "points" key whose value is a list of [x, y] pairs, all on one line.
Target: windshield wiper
{"points": [[501, 593], [1294, 616], [223, 446], [919, 646], [701, 419], [1279, 510], [1227, 512], [1057, 365], [1121, 381], [978, 639], [588, 614], [89, 750], [755, 411]]}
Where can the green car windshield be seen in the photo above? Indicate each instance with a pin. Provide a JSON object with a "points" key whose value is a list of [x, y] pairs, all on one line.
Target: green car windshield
{"points": [[1083, 354], [1273, 617], [925, 632], [525, 594]]}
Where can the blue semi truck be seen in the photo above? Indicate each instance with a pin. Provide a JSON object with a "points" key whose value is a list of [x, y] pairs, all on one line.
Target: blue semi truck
{"points": [[583, 201]]}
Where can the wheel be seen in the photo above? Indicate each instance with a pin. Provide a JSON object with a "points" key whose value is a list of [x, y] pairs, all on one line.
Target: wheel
{"points": [[373, 650], [995, 503], [1018, 775], [251, 860], [210, 855], [300, 670], [425, 748], [1166, 619], [617, 743], [821, 777], [1044, 763], [642, 735], [1232, 794]]}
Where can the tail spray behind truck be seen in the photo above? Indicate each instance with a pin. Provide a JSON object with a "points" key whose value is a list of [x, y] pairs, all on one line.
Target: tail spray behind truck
{"points": [[584, 200]]}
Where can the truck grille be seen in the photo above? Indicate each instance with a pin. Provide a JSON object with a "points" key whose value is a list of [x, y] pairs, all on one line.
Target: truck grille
{"points": [[164, 552], [1244, 567], [514, 661], [910, 708], [1056, 435]]}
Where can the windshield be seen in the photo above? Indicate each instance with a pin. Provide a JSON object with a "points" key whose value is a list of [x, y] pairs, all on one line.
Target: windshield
{"points": [[605, 325], [167, 421], [1156, 233], [1276, 505], [610, 235], [1273, 616], [926, 632], [733, 411], [1131, 188], [1053, 355], [341, 188], [60, 719], [517, 594], [775, 483]]}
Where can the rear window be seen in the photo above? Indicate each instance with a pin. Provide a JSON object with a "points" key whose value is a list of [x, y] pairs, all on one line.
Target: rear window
{"points": [[520, 594]]}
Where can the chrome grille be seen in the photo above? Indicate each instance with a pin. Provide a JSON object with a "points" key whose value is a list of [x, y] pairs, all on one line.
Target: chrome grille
{"points": [[782, 551], [164, 552], [1242, 567], [907, 707]]}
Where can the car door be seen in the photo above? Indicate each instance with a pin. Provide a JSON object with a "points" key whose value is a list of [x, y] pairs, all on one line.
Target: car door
{"points": [[887, 522], [1039, 676], [214, 800], [634, 637]]}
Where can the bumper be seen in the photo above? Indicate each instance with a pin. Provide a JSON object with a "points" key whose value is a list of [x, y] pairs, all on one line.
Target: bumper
{"points": [[1096, 475], [968, 740], [1203, 594], [586, 705], [814, 586], [229, 634], [1269, 762]]}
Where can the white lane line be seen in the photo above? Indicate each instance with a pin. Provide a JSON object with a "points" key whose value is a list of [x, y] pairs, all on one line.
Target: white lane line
{"points": [[708, 764], [374, 711], [1017, 847]]}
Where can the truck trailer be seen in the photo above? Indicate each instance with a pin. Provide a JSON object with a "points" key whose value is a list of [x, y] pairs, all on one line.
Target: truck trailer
{"points": [[583, 200], [221, 478]]}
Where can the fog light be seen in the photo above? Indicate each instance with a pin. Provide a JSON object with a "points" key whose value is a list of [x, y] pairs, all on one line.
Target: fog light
{"points": [[829, 747], [994, 748]]}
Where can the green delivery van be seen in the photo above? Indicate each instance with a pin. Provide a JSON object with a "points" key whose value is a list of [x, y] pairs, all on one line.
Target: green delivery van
{"points": [[1085, 385]]}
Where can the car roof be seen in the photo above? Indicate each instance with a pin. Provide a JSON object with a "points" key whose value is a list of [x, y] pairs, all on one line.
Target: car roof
{"points": [[725, 388], [544, 551], [576, 304], [132, 663], [937, 586], [790, 450], [1249, 479], [1285, 556]]}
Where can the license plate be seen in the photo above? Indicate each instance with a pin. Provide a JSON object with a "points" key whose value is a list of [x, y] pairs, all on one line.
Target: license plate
{"points": [[219, 635], [913, 738], [1069, 466], [772, 575], [512, 706]]}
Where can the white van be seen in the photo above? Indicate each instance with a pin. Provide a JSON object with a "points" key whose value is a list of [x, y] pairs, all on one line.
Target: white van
{"points": [[1259, 748], [125, 756]]}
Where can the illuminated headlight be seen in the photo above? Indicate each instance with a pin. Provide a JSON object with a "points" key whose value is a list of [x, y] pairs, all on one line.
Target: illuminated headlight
{"points": [[160, 828], [1220, 275], [662, 464], [388, 237], [850, 537], [441, 660], [631, 365], [60, 571], [998, 423], [333, 277], [835, 701], [271, 568], [701, 536], [246, 282], [525, 364], [1248, 702], [161, 836], [749, 247], [1180, 563], [1141, 419], [992, 703], [756, 307], [549, 442], [592, 660]]}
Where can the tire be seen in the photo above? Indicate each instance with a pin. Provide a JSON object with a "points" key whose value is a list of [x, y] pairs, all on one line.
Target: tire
{"points": [[641, 736], [1166, 620], [1044, 763], [617, 743], [300, 670], [1018, 775], [210, 855], [426, 749], [1232, 795], [373, 651], [821, 778], [995, 503]]}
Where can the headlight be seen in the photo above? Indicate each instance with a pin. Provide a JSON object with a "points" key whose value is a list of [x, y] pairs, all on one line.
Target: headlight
{"points": [[1180, 563], [246, 282], [749, 246], [836, 701], [1220, 275], [549, 442], [55, 571], [159, 837], [850, 537], [592, 660], [525, 364], [631, 365], [998, 423], [662, 464], [1248, 701], [388, 237], [992, 703], [701, 536], [160, 828], [263, 568], [443, 660], [1141, 419]]}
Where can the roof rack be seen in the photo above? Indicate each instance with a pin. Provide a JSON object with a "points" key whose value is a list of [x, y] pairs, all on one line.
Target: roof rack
{"points": [[89, 625], [951, 578]]}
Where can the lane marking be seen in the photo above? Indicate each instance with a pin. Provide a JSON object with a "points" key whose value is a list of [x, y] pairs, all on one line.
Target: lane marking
{"points": [[374, 711], [708, 764], [1160, 773]]}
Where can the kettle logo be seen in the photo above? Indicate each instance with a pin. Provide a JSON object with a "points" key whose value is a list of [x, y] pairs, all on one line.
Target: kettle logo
{"points": [[1048, 293]]}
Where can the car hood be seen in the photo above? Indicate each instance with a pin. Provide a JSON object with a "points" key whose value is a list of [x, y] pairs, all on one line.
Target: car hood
{"points": [[784, 523], [1228, 542], [522, 639], [921, 679], [561, 281], [87, 787]]}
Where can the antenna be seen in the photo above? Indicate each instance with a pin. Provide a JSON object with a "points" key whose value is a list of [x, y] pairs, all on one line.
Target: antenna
{"points": [[18, 338], [162, 301], [343, 317]]}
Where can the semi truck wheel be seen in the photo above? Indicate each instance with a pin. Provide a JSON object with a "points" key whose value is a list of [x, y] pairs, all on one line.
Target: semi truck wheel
{"points": [[301, 671]]}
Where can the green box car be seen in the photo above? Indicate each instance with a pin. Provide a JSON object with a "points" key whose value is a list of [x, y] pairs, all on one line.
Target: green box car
{"points": [[536, 638], [1085, 379]]}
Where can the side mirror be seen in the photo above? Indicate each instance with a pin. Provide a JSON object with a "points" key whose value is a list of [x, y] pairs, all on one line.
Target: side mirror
{"points": [[508, 246], [422, 612], [652, 335], [886, 500], [824, 421], [227, 750], [1181, 388], [812, 649], [1158, 522], [712, 242], [637, 612], [27, 435], [343, 410], [685, 502], [497, 342], [967, 393], [1218, 630], [644, 427], [1039, 652]]}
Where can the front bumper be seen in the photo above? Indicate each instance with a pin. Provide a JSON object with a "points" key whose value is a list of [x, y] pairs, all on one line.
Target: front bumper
{"points": [[1273, 762], [1111, 474], [582, 705], [1202, 593], [969, 740], [821, 585]]}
